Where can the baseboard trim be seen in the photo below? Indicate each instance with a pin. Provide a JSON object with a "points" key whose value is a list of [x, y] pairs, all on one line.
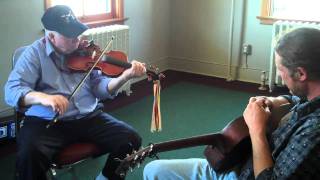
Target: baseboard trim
{"points": [[207, 68]]}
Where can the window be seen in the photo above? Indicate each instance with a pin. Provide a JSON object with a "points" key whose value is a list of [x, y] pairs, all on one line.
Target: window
{"points": [[94, 12], [303, 10]]}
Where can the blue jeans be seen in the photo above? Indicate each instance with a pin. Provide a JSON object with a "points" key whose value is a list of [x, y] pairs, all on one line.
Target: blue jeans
{"points": [[184, 169]]}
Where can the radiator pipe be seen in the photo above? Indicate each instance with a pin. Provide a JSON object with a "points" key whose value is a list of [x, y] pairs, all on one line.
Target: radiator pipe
{"points": [[229, 75]]}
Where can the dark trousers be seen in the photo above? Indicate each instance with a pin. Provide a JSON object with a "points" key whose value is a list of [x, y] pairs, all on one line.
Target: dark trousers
{"points": [[38, 145]]}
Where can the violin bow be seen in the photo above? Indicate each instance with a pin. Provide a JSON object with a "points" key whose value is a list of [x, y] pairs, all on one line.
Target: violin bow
{"points": [[55, 118]]}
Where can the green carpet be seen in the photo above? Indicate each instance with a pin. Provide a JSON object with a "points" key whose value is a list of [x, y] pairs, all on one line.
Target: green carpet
{"points": [[187, 110]]}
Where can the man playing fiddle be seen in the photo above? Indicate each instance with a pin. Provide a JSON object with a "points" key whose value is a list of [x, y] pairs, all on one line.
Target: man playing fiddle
{"points": [[41, 83]]}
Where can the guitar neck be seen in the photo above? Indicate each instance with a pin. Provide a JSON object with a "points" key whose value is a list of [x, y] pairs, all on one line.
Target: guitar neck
{"points": [[232, 145], [208, 139]]}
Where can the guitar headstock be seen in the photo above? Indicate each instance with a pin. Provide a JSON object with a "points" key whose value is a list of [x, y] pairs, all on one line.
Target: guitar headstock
{"points": [[154, 74], [134, 160]]}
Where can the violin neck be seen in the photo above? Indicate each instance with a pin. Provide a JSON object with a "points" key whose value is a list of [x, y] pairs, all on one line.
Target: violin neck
{"points": [[123, 64], [117, 62]]}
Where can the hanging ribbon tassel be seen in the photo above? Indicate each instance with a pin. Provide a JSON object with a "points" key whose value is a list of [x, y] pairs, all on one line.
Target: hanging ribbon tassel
{"points": [[156, 114]]}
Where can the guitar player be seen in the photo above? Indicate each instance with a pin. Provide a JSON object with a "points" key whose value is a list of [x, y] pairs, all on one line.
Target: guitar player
{"points": [[292, 150]]}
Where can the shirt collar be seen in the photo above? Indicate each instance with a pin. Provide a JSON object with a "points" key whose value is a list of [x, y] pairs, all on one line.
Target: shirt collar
{"points": [[308, 106], [49, 47]]}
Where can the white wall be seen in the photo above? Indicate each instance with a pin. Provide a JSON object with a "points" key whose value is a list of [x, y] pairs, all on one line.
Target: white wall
{"points": [[149, 22], [258, 35], [200, 38], [20, 25]]}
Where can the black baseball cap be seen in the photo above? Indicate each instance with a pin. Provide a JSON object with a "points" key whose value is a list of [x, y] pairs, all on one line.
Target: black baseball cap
{"points": [[61, 19]]}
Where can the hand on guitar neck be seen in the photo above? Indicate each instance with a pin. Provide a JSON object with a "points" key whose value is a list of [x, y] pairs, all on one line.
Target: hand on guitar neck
{"points": [[226, 148]]}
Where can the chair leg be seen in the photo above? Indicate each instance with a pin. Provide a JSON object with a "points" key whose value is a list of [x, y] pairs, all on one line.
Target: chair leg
{"points": [[52, 174]]}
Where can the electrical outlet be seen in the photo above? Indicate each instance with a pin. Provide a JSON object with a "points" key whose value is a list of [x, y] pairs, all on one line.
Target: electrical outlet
{"points": [[247, 49]]}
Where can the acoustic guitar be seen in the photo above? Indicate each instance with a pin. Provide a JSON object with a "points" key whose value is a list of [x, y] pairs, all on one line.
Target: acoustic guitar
{"points": [[225, 149]]}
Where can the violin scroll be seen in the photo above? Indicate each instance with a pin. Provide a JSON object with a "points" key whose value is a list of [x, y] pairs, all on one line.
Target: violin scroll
{"points": [[153, 73]]}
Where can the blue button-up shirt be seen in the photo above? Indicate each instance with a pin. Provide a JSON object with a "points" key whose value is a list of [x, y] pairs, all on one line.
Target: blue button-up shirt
{"points": [[40, 68]]}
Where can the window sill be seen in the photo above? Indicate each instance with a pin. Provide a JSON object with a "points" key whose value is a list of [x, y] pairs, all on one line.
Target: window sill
{"points": [[271, 20], [93, 24], [266, 20]]}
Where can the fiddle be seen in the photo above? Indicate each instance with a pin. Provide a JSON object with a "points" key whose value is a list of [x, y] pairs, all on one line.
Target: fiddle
{"points": [[89, 57], [112, 64]]}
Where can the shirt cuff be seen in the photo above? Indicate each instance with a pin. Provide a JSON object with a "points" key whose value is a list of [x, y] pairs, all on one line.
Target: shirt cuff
{"points": [[17, 97], [101, 89]]}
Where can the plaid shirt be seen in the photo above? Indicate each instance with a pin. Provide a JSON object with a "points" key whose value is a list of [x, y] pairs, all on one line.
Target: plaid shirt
{"points": [[295, 145]]}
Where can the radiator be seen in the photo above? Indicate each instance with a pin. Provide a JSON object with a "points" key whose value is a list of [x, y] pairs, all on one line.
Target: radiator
{"points": [[279, 29], [102, 35]]}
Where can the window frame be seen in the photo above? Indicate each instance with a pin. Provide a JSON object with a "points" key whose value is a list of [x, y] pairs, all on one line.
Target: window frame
{"points": [[267, 18], [115, 17]]}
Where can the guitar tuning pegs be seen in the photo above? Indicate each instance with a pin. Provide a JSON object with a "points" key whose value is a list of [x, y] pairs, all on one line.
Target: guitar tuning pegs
{"points": [[122, 175], [117, 159], [133, 152], [157, 157], [151, 147]]}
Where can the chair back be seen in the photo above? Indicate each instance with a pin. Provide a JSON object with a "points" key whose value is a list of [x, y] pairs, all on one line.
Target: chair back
{"points": [[16, 54]]}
